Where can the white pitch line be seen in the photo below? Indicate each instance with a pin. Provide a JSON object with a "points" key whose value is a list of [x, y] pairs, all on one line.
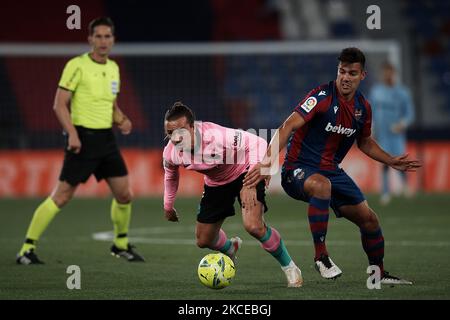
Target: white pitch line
{"points": [[151, 232]]}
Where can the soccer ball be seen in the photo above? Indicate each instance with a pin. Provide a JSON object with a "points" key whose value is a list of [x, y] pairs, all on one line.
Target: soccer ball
{"points": [[216, 270]]}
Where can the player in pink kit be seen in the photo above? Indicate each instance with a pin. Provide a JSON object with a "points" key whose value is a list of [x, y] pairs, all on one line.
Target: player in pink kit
{"points": [[224, 156]]}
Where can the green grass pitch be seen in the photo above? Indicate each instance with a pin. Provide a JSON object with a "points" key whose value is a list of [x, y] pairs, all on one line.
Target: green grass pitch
{"points": [[416, 231]]}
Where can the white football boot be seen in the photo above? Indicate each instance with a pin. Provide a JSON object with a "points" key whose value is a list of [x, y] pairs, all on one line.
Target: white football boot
{"points": [[293, 275], [391, 280], [327, 268], [236, 244]]}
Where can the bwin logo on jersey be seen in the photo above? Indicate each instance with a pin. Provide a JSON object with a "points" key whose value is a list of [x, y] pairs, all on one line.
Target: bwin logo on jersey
{"points": [[340, 129]]}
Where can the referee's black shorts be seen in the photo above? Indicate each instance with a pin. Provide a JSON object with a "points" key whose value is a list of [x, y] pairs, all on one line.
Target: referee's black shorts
{"points": [[99, 155], [217, 203]]}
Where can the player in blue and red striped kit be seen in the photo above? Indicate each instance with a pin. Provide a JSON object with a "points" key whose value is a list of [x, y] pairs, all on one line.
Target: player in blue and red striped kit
{"points": [[318, 134]]}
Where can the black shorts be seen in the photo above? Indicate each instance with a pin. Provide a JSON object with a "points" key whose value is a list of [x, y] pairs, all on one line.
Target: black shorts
{"points": [[99, 155], [217, 203]]}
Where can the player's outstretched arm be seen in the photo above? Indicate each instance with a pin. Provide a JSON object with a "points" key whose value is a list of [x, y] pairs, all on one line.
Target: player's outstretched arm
{"points": [[279, 141], [121, 120], [171, 181], [371, 148], [61, 107]]}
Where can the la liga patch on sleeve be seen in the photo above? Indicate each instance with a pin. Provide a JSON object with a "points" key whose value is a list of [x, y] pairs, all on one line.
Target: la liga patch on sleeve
{"points": [[309, 104]]}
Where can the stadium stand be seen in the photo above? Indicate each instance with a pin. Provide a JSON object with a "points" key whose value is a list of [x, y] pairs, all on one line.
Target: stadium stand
{"points": [[226, 89]]}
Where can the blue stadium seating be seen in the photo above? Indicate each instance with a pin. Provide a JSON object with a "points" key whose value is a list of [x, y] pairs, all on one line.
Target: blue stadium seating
{"points": [[427, 20]]}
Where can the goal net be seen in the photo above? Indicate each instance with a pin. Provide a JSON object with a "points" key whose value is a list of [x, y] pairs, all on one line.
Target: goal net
{"points": [[243, 85]]}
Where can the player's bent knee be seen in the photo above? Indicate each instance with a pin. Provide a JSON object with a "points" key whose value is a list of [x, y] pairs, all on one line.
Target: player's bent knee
{"points": [[318, 185]]}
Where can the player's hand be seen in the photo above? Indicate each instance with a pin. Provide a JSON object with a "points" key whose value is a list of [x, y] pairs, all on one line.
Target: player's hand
{"points": [[125, 127], [253, 177], [402, 163], [74, 143], [248, 198], [171, 215]]}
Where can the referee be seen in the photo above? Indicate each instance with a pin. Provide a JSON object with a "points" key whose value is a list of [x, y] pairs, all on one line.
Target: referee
{"points": [[88, 88]]}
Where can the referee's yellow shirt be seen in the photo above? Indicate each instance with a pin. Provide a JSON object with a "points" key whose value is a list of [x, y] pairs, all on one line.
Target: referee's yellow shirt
{"points": [[94, 88]]}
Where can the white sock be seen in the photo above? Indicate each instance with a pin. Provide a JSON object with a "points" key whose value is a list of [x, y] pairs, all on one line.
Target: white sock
{"points": [[290, 265]]}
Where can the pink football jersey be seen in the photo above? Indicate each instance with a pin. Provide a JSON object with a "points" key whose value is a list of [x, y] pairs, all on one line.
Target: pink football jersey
{"points": [[221, 154]]}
